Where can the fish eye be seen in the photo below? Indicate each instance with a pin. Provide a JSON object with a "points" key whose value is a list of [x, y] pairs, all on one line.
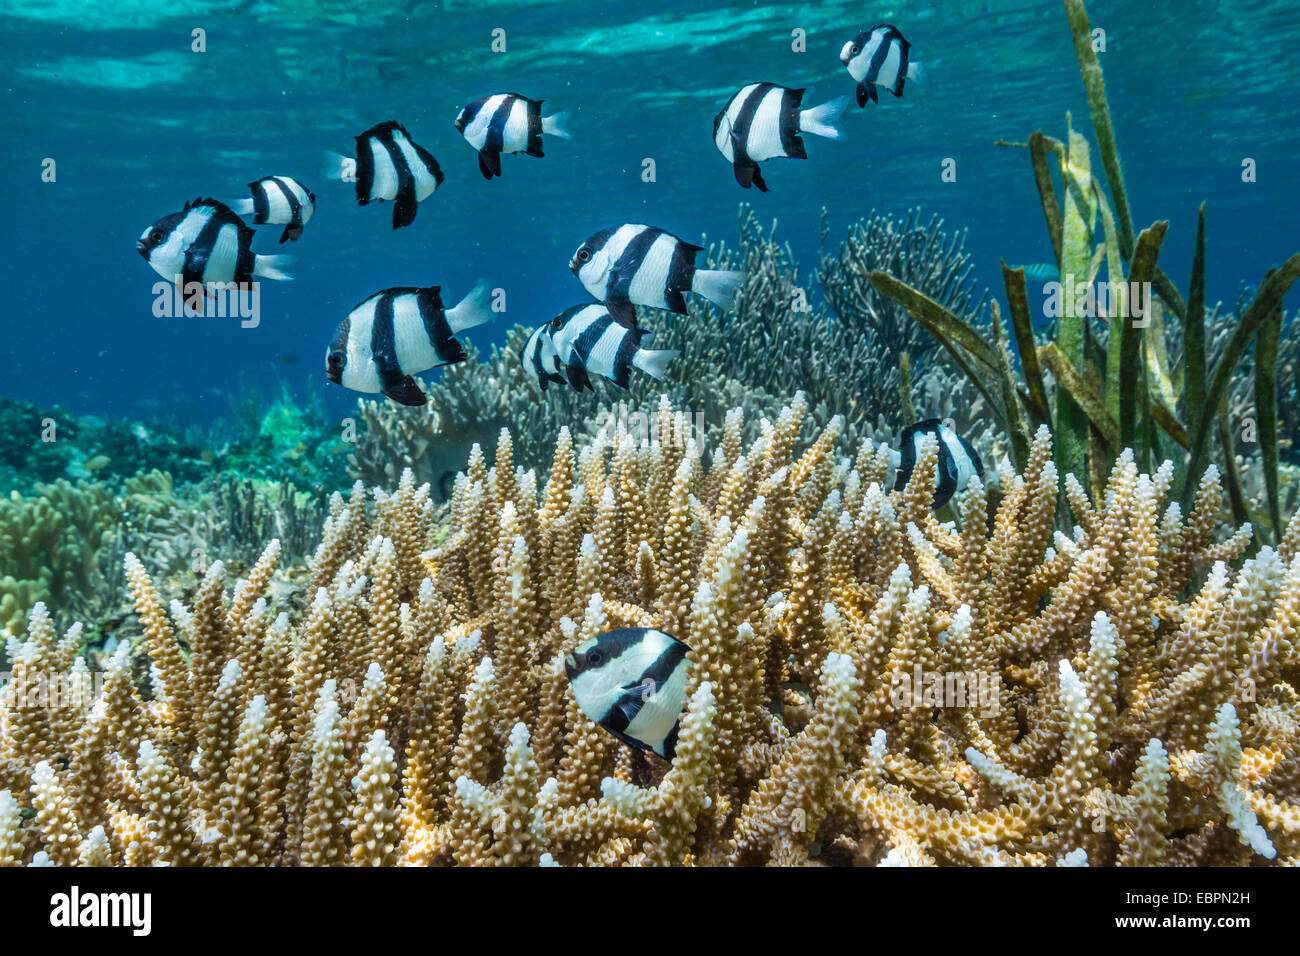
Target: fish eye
{"points": [[156, 237], [336, 358], [594, 658], [583, 255], [855, 51]]}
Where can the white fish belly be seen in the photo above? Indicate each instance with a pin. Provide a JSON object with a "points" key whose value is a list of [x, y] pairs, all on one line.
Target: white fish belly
{"points": [[415, 353], [385, 183], [224, 255], [651, 279], [514, 138], [601, 359], [764, 140]]}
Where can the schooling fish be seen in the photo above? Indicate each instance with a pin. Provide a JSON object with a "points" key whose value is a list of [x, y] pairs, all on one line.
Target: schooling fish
{"points": [[587, 339], [399, 332], [641, 265], [879, 57], [958, 461], [389, 165], [763, 121], [539, 357], [279, 200], [632, 681], [507, 123], [206, 242]]}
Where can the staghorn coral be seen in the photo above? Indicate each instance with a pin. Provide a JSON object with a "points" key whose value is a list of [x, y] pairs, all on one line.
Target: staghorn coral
{"points": [[844, 354], [868, 685]]}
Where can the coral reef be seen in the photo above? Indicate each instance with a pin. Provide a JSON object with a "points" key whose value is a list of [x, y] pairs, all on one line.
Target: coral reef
{"points": [[844, 353], [867, 685]]}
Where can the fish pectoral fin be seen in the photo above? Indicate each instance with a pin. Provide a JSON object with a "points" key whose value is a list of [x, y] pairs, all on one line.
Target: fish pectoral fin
{"points": [[622, 311], [489, 163], [405, 391], [577, 374]]}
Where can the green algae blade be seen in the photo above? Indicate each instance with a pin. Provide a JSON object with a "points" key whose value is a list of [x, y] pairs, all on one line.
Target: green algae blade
{"points": [[1088, 400], [905, 386], [1016, 430], [1095, 88], [1267, 298], [1046, 191], [1194, 333], [1266, 349], [944, 325], [1130, 362], [1022, 326], [1070, 429]]}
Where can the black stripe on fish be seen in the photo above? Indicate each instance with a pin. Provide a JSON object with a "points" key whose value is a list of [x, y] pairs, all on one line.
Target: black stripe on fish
{"points": [[434, 317], [405, 205], [534, 127], [663, 666], [745, 169], [365, 167], [588, 337], [496, 128], [261, 208], [791, 142], [670, 742], [681, 271], [627, 349], [383, 344], [293, 229], [617, 289]]}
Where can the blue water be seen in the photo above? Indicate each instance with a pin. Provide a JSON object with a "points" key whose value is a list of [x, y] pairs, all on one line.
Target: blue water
{"points": [[138, 124]]}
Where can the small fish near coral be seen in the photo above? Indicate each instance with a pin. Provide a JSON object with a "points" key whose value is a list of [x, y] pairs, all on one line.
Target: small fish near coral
{"points": [[763, 121], [632, 681], [507, 123], [389, 165], [879, 57], [958, 461], [206, 243], [279, 201], [585, 338], [399, 332], [539, 358], [634, 264]]}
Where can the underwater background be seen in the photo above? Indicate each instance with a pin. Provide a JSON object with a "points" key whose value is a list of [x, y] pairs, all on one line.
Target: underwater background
{"points": [[138, 125]]}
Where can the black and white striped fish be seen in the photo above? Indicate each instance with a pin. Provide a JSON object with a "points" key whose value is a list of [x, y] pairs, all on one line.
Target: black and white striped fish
{"points": [[632, 681], [507, 123], [206, 242], [540, 359], [398, 333], [641, 265], [389, 165], [279, 200], [763, 121], [879, 57], [958, 461], [586, 340]]}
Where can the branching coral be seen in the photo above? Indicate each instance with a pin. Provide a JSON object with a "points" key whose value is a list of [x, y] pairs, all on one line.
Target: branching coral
{"points": [[866, 683]]}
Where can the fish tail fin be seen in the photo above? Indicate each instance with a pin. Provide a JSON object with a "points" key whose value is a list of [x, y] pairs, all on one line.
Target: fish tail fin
{"points": [[557, 124], [654, 362], [338, 167], [718, 286], [272, 267], [474, 309], [916, 72], [821, 120], [241, 207]]}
